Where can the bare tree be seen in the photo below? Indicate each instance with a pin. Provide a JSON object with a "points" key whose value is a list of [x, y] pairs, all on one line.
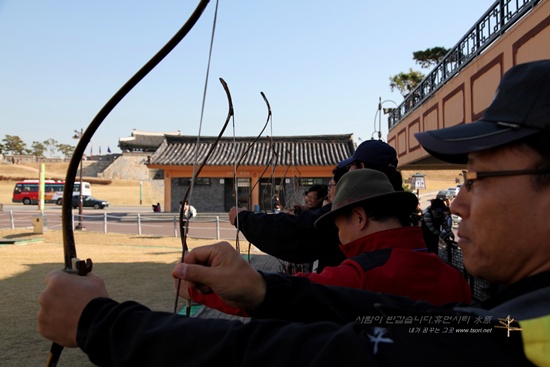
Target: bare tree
{"points": [[38, 148], [66, 149], [51, 146]]}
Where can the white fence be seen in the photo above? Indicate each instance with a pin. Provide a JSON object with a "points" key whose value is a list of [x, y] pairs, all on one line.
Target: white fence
{"points": [[157, 224]]}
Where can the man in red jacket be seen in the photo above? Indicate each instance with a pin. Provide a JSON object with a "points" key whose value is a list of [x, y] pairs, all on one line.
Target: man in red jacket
{"points": [[384, 252], [294, 238]]}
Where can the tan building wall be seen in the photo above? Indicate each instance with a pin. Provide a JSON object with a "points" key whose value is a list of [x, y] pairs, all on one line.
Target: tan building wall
{"points": [[254, 173], [464, 98]]}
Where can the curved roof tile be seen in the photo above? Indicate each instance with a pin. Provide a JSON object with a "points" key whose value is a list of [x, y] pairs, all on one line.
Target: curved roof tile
{"points": [[316, 150]]}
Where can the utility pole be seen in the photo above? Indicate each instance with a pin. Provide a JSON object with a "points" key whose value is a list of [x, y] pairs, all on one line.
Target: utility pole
{"points": [[80, 225]]}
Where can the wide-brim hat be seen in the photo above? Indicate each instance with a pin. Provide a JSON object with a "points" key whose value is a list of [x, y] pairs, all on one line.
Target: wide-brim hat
{"points": [[521, 107], [367, 187]]}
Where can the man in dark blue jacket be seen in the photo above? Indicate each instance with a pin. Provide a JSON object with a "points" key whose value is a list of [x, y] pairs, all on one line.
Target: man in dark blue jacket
{"points": [[302, 323]]}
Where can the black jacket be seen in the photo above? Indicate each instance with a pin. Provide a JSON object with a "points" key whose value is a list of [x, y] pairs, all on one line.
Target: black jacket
{"points": [[293, 238], [302, 323]]}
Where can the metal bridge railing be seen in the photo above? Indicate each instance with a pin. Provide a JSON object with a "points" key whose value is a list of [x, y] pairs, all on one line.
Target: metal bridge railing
{"points": [[498, 19]]}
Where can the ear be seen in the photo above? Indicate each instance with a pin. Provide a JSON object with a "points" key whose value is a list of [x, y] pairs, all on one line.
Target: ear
{"points": [[360, 217]]}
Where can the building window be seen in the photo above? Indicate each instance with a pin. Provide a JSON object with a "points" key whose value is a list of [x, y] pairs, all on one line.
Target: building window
{"points": [[314, 181], [199, 181], [243, 182]]}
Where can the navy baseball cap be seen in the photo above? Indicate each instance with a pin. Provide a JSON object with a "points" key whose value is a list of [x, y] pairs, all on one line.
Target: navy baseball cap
{"points": [[520, 108], [373, 153]]}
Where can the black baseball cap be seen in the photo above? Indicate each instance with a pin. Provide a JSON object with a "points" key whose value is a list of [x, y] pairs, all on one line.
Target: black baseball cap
{"points": [[520, 108], [373, 153]]}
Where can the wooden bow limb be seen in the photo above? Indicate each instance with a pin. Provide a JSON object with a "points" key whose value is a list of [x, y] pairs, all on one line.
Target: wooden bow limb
{"points": [[72, 263], [184, 220]]}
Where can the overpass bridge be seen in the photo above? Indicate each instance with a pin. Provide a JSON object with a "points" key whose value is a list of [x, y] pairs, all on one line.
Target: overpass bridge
{"points": [[462, 85]]}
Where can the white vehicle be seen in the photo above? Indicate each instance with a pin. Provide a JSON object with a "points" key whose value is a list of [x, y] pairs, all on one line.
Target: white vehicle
{"points": [[453, 191], [86, 191], [456, 220]]}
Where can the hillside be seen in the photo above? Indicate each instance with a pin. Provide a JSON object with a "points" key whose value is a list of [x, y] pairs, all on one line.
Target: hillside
{"points": [[118, 192]]}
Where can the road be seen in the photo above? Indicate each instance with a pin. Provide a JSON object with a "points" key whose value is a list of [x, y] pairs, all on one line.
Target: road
{"points": [[121, 219], [130, 219]]}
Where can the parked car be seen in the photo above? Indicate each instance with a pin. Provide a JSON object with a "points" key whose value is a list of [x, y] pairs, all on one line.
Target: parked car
{"points": [[456, 220], [444, 195], [89, 202], [453, 191], [58, 197]]}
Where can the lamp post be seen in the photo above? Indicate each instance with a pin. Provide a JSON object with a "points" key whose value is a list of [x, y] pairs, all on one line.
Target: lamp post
{"points": [[80, 225], [379, 113]]}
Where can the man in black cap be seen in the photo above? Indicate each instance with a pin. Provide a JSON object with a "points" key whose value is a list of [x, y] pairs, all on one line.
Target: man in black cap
{"points": [[504, 235], [376, 154], [294, 238]]}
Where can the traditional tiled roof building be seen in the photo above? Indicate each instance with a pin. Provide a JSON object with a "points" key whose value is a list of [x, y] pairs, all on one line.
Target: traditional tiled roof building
{"points": [[143, 141], [282, 166]]}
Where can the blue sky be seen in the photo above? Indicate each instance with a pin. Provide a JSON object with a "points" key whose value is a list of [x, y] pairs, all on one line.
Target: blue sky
{"points": [[322, 64]]}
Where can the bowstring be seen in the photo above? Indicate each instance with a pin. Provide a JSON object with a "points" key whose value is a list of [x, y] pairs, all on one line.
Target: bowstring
{"points": [[236, 188]]}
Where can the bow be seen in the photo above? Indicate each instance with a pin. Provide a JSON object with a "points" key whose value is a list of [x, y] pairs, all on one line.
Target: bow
{"points": [[270, 163], [184, 220], [273, 153], [237, 164], [271, 181], [247, 150], [72, 263], [290, 200], [283, 179]]}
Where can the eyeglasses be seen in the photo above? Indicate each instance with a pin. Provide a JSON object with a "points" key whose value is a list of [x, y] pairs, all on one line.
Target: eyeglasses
{"points": [[471, 177]]}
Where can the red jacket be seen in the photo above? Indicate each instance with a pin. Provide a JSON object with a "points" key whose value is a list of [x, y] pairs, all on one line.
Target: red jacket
{"points": [[394, 261]]}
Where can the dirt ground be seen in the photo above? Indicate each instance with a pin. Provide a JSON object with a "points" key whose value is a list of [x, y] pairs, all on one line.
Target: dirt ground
{"points": [[134, 267]]}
